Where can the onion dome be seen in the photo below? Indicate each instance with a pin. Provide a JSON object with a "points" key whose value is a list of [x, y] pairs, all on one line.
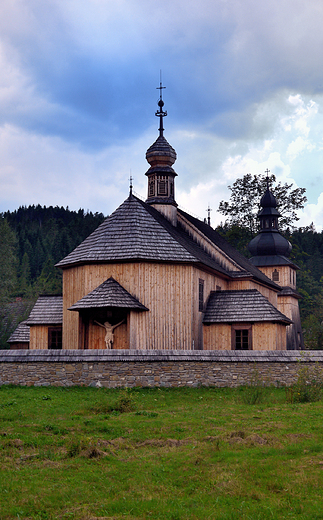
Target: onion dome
{"points": [[268, 200], [161, 153], [269, 242]]}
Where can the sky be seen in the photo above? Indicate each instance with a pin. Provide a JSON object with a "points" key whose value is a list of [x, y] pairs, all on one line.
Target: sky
{"points": [[244, 92]]}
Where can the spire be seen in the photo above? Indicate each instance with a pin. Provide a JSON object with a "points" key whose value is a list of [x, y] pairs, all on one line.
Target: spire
{"points": [[160, 113], [161, 176], [130, 185], [209, 215], [267, 179]]}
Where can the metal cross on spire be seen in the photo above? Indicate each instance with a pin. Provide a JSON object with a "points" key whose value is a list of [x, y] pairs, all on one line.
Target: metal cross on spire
{"points": [[267, 171], [130, 184], [160, 113], [209, 215]]}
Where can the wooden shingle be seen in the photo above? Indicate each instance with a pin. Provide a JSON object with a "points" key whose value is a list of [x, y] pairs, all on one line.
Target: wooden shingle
{"points": [[136, 231], [241, 306], [109, 294], [48, 310], [21, 334]]}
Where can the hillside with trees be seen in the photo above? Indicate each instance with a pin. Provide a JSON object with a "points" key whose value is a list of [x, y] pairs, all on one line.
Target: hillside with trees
{"points": [[32, 240]]}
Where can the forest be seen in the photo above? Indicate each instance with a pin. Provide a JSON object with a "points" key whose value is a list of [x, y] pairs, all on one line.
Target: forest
{"points": [[34, 238]]}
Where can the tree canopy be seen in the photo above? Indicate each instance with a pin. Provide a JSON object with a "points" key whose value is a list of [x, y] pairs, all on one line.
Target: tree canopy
{"points": [[244, 204]]}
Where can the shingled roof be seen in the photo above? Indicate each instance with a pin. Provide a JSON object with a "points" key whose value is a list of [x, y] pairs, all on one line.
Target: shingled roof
{"points": [[48, 310], [229, 250], [109, 294], [241, 306], [137, 231], [21, 334]]}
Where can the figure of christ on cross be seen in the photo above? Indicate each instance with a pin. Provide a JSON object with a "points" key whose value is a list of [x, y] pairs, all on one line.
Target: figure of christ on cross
{"points": [[109, 336]]}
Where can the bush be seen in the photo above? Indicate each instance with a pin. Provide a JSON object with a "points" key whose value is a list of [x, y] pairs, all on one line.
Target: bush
{"points": [[125, 402], [309, 384]]}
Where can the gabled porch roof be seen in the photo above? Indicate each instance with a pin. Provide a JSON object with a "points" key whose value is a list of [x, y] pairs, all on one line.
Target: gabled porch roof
{"points": [[109, 294]]}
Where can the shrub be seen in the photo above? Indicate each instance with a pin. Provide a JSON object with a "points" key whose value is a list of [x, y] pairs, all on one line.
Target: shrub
{"points": [[125, 402], [308, 386]]}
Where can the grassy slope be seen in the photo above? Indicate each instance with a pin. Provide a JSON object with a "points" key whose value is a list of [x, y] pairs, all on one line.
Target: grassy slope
{"points": [[179, 454]]}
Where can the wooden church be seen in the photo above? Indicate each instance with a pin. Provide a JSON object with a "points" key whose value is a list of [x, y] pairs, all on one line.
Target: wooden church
{"points": [[151, 276]]}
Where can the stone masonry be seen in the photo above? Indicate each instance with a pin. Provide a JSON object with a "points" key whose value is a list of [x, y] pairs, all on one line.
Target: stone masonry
{"points": [[130, 368]]}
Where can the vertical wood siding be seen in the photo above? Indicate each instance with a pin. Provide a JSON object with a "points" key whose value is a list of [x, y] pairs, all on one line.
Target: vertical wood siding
{"points": [[287, 275], [265, 336], [217, 337], [166, 290], [289, 306], [38, 337]]}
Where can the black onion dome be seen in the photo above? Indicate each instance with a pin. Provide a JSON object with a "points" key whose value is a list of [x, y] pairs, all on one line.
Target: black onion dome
{"points": [[161, 152], [268, 200], [270, 244]]}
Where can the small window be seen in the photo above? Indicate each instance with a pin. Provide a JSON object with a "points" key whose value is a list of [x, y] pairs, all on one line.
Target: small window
{"points": [[241, 337], [275, 276], [201, 295], [151, 188], [162, 188], [54, 337]]}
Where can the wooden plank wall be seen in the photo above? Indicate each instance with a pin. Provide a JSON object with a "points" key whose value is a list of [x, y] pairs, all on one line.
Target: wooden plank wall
{"points": [[165, 289], [170, 292], [19, 346], [289, 306], [265, 336], [217, 337], [287, 275], [211, 282], [38, 337], [269, 336]]}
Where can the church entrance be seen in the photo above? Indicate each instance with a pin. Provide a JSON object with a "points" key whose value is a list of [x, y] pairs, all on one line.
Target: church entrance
{"points": [[103, 328]]}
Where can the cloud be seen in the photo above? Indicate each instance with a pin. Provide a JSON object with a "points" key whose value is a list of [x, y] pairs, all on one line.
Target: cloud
{"points": [[77, 97]]}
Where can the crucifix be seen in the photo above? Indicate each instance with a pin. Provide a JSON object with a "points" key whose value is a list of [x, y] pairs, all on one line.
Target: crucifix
{"points": [[160, 113]]}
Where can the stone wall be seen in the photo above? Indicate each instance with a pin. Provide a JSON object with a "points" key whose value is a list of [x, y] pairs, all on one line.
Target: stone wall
{"points": [[129, 368]]}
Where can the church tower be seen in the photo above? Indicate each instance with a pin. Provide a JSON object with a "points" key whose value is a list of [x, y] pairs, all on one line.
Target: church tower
{"points": [[161, 176], [270, 252]]}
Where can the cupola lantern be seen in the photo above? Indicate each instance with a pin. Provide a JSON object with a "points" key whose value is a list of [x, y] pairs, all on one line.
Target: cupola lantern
{"points": [[161, 176]]}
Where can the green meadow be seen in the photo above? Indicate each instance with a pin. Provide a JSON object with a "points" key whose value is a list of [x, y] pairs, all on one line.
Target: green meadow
{"points": [[203, 453]]}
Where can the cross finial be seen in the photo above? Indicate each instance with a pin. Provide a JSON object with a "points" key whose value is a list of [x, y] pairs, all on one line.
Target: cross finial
{"points": [[130, 185], [160, 113], [267, 172], [209, 215]]}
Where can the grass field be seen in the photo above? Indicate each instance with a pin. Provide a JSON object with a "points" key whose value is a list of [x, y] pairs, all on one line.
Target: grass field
{"points": [[84, 453]]}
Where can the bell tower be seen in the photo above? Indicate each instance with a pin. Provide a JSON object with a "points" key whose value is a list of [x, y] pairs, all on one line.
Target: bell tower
{"points": [[270, 252], [161, 176]]}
